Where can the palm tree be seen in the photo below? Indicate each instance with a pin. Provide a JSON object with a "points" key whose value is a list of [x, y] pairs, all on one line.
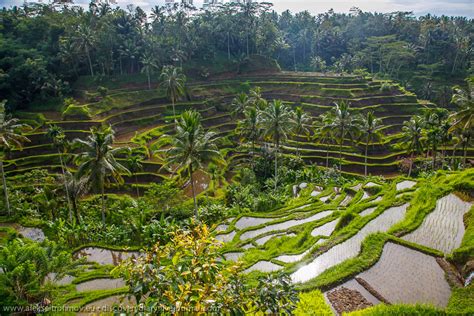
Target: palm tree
{"points": [[174, 83], [57, 136], [10, 137], [463, 119], [412, 136], [134, 164], [97, 161], [149, 65], [216, 174], [344, 125], [84, 40], [324, 132], [371, 126], [239, 104], [464, 98], [191, 147], [76, 188], [277, 123], [301, 122], [249, 128]]}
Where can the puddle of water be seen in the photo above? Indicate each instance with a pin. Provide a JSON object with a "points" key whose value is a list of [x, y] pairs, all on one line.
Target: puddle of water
{"points": [[32, 233], [264, 266], [226, 237], [233, 256], [349, 248], [368, 211], [365, 196], [405, 185], [284, 225], [105, 256], [443, 229], [325, 198], [378, 199], [66, 280], [406, 276], [325, 230], [221, 228], [371, 185], [246, 222], [248, 246], [263, 240], [292, 258], [347, 200], [100, 284]]}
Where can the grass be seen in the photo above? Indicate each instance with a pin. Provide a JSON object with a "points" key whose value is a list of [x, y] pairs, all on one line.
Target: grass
{"points": [[312, 304], [399, 309]]}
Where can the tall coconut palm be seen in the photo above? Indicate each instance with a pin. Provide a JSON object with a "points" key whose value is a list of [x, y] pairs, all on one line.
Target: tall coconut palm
{"points": [[10, 137], [412, 131], [134, 164], [191, 147], [85, 40], [149, 66], [174, 83], [277, 124], [57, 136], [324, 132], [76, 188], [344, 124], [239, 104], [463, 119], [371, 128], [98, 161], [301, 122], [464, 98], [249, 128]]}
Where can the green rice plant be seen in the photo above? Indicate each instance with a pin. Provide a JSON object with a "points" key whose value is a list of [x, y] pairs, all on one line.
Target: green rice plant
{"points": [[312, 304], [399, 309]]}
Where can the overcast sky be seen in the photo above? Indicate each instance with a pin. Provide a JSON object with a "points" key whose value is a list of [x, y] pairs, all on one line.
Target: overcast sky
{"points": [[420, 7]]}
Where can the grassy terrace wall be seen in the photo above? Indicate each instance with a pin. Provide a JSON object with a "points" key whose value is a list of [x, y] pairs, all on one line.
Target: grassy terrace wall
{"points": [[142, 116]]}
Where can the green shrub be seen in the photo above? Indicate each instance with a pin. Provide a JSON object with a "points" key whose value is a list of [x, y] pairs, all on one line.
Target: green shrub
{"points": [[76, 112], [387, 87], [461, 301], [102, 91], [312, 304]]}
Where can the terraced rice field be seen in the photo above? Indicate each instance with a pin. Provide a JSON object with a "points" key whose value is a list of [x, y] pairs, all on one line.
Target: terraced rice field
{"points": [[443, 229], [403, 275], [141, 124], [400, 275], [349, 248]]}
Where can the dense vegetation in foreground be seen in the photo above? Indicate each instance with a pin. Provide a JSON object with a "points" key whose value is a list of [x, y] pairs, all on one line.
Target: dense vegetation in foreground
{"points": [[217, 174]]}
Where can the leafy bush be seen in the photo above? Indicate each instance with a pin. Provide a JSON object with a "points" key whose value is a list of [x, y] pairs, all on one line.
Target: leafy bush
{"points": [[102, 91], [187, 274], [213, 213], [25, 266], [77, 112], [312, 304], [387, 87]]}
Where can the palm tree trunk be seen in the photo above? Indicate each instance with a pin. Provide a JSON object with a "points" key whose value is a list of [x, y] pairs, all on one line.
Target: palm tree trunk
{"points": [[136, 184], [434, 157], [253, 153], [65, 185], [149, 81], [327, 157], [5, 189], [76, 211], [366, 151], [411, 165], [248, 50], [196, 215], [90, 61], [174, 110], [277, 143], [340, 148], [228, 45], [103, 202]]}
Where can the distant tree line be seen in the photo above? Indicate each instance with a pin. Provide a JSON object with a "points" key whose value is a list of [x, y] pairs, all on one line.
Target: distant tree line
{"points": [[46, 47]]}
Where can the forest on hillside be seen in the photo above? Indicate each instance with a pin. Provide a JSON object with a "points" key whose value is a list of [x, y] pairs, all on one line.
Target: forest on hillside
{"points": [[46, 47]]}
